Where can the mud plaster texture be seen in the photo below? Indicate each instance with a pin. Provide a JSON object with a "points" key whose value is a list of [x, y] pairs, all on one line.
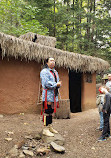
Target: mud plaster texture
{"points": [[18, 86]]}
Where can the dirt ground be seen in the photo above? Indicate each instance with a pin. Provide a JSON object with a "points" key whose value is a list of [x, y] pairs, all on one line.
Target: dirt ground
{"points": [[79, 132]]}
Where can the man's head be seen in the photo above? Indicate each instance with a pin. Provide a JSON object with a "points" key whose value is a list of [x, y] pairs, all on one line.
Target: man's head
{"points": [[50, 62], [109, 77]]}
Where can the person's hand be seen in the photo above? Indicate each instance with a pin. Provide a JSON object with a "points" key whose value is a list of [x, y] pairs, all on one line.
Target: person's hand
{"points": [[59, 83], [104, 111]]}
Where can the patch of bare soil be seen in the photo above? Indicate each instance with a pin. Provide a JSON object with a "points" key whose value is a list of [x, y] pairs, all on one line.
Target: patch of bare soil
{"points": [[79, 132]]}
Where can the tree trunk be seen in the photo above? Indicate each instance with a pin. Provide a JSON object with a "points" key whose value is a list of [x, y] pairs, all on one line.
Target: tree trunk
{"points": [[80, 45], [67, 25], [54, 20], [88, 28], [73, 29]]}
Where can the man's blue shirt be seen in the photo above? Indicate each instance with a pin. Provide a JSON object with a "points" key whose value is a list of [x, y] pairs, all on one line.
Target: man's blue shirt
{"points": [[48, 82]]}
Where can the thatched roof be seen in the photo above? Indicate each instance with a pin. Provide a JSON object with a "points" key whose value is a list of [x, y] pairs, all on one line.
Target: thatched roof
{"points": [[12, 46], [43, 40]]}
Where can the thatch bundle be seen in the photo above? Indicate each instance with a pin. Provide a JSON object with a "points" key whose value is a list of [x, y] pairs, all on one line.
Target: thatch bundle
{"points": [[12, 46], [43, 40]]}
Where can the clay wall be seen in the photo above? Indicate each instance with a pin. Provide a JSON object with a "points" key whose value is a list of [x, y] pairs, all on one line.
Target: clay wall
{"points": [[64, 77], [88, 92], [19, 85]]}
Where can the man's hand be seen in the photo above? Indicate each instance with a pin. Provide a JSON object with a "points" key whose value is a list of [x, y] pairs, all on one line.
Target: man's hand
{"points": [[59, 83], [104, 111]]}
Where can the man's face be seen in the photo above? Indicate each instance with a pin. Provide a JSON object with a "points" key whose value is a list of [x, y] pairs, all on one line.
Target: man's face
{"points": [[109, 77], [51, 63]]}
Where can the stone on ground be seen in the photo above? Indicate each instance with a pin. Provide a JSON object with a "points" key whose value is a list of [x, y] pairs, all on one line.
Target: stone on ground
{"points": [[1, 116], [8, 139], [21, 155], [42, 151], [28, 152], [57, 148]]}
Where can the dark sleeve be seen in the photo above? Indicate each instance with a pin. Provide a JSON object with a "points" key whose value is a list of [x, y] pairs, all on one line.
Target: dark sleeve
{"points": [[107, 103]]}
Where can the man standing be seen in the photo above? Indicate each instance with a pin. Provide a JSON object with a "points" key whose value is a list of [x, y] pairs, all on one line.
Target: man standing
{"points": [[50, 84], [106, 114], [108, 84]]}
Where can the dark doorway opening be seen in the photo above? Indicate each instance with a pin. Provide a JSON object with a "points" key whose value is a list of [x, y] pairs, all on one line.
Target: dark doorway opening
{"points": [[75, 91]]}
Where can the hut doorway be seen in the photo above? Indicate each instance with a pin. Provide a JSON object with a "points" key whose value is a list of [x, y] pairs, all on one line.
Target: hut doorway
{"points": [[75, 91]]}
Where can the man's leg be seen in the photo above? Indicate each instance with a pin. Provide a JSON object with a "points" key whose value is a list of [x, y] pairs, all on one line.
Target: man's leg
{"points": [[49, 112], [106, 124], [108, 129], [101, 120], [47, 121]]}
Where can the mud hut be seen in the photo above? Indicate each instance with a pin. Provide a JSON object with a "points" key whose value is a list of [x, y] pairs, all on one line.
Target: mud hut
{"points": [[21, 61]]}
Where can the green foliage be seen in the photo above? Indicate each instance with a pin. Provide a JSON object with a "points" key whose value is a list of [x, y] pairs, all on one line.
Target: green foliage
{"points": [[98, 79], [18, 17]]}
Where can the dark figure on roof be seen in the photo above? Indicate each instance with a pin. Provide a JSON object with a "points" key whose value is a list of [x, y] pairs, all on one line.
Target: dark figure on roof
{"points": [[35, 38]]}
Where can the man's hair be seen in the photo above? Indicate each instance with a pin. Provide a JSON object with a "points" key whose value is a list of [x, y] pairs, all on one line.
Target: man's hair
{"points": [[46, 61]]}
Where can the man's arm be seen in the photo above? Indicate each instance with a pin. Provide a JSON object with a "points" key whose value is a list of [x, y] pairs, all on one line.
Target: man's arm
{"points": [[107, 103], [45, 80]]}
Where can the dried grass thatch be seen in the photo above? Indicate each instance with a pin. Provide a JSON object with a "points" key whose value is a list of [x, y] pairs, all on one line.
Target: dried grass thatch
{"points": [[43, 40], [12, 46]]}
